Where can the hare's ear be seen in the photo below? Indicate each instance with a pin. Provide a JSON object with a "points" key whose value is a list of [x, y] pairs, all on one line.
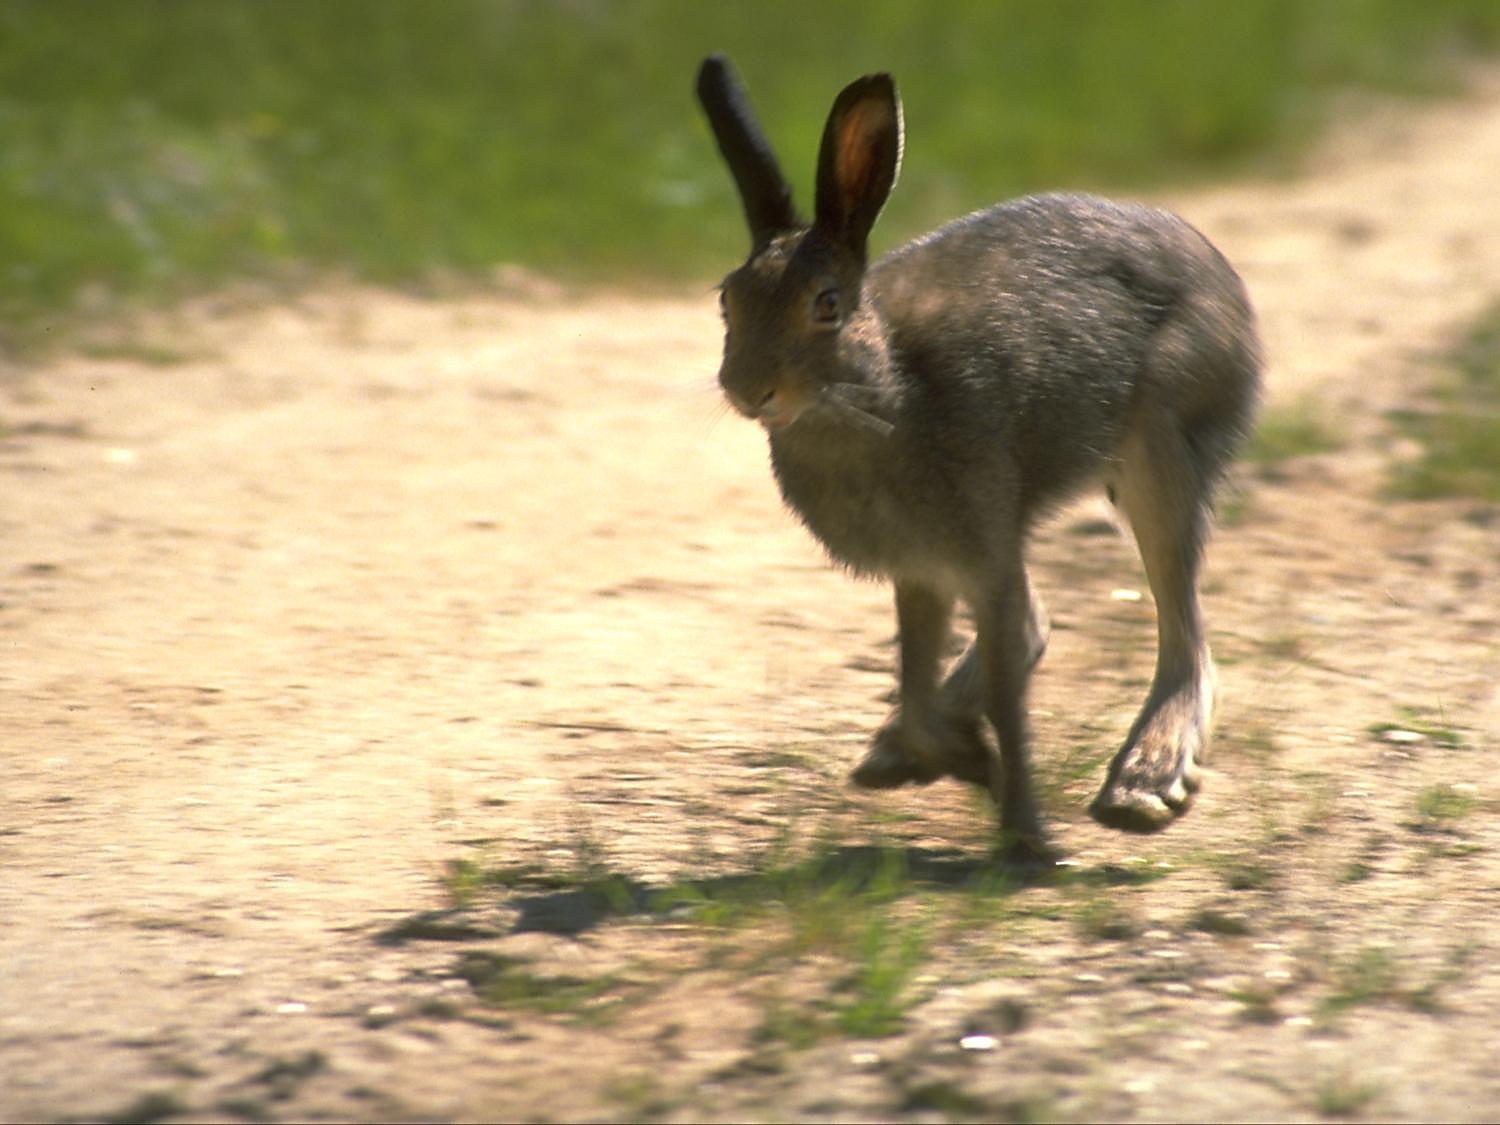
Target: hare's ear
{"points": [[859, 160], [763, 189]]}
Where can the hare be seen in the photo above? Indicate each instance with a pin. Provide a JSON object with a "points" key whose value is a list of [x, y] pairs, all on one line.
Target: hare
{"points": [[926, 409]]}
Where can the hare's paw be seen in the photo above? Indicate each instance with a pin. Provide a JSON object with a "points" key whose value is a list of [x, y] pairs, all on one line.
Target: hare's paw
{"points": [[1028, 857], [1155, 777], [893, 760], [964, 753], [918, 753]]}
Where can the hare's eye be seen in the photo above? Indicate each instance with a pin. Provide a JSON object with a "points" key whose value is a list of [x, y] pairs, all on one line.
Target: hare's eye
{"points": [[826, 305]]}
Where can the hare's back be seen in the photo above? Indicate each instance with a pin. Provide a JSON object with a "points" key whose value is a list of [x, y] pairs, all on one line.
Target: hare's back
{"points": [[1038, 322], [1067, 256]]}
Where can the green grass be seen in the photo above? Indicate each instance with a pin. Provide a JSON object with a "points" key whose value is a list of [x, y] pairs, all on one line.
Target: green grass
{"points": [[1368, 976], [873, 999], [833, 939], [1342, 1095], [1460, 435], [1440, 806], [854, 921], [509, 983], [154, 148], [1421, 721], [1294, 431]]}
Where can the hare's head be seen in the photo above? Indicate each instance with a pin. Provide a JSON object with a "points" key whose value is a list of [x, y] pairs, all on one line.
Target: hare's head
{"points": [[796, 322]]}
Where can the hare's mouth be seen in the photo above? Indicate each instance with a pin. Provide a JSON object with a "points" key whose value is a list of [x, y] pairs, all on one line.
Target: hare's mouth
{"points": [[776, 408], [778, 419]]}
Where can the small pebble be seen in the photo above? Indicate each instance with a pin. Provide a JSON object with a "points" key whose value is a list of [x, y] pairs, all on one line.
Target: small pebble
{"points": [[1125, 595], [291, 1008], [978, 1042], [1403, 737]]}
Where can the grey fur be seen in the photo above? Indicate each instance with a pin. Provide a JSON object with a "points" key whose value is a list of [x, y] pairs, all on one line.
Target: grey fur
{"points": [[963, 386]]}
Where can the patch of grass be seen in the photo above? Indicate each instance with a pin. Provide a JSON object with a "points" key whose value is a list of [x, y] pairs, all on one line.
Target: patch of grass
{"points": [[1074, 768], [1103, 917], [153, 148], [947, 1098], [852, 922], [1440, 806], [1341, 1095], [462, 880], [1247, 873], [1257, 1004], [1421, 721], [1299, 430], [1233, 508], [638, 1094], [1256, 738], [158, 1105], [1369, 976], [283, 1075], [1319, 812], [1428, 998], [1287, 646], [877, 994], [1460, 434], [850, 913], [509, 983], [599, 890], [1225, 923], [796, 1026], [136, 351], [820, 898]]}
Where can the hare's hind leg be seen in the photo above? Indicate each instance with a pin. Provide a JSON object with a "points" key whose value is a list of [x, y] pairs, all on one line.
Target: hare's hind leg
{"points": [[1164, 492]]}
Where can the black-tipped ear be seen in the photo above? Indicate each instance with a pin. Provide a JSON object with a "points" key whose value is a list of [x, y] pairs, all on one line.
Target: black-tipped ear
{"points": [[859, 159], [766, 195]]}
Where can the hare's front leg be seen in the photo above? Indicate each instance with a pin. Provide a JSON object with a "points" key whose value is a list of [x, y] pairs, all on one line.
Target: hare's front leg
{"points": [[924, 739], [961, 702], [1009, 643], [1154, 777]]}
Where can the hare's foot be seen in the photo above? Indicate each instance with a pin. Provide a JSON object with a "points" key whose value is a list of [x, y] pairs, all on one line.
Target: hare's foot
{"points": [[1155, 776], [918, 753], [889, 762], [1029, 857]]}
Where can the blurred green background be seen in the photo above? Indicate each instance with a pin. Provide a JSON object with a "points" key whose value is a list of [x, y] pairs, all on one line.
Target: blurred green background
{"points": [[150, 148]]}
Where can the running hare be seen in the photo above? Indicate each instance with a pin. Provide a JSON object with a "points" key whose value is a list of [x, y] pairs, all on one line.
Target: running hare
{"points": [[926, 409]]}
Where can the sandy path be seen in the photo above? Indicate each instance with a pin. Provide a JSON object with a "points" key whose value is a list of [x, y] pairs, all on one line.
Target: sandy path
{"points": [[365, 580]]}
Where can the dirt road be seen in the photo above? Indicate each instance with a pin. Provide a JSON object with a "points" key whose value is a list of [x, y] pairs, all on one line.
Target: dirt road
{"points": [[363, 585]]}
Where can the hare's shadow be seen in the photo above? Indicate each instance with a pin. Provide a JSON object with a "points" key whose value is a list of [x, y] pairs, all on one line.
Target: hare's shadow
{"points": [[541, 905]]}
